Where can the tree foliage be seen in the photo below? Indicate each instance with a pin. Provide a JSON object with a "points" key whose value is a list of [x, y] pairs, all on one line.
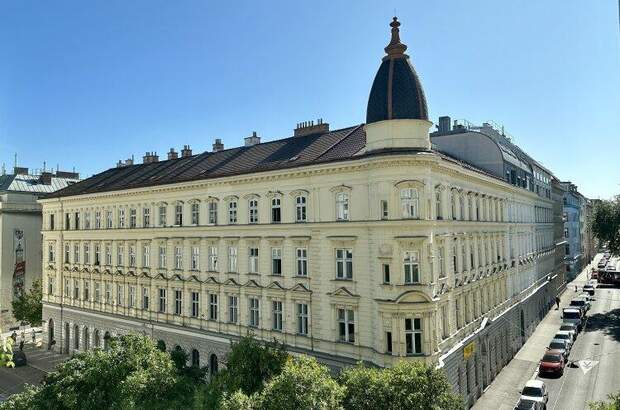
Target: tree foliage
{"points": [[606, 223], [28, 307], [6, 351], [612, 404]]}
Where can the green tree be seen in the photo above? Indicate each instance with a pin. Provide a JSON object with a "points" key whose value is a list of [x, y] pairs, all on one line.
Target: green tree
{"points": [[28, 307], [613, 404], [6, 351], [408, 385], [606, 223], [304, 384]]}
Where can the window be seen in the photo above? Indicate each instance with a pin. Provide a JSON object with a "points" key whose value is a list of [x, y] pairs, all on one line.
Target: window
{"points": [[212, 306], [346, 325], [195, 304], [232, 259], [67, 252], [232, 212], [162, 257], [77, 221], [342, 206], [76, 253], [384, 209], [178, 302], [454, 259], [195, 258], [132, 256], [162, 215], [302, 318], [386, 273], [67, 288], [120, 294], [132, 296], [108, 255], [196, 214], [133, 218], [302, 261], [409, 202], [213, 212], [76, 289], [119, 256], [445, 327], [86, 220], [388, 342], [121, 218], [146, 217], [276, 261], [162, 300], [86, 253], [108, 217], [457, 313], [300, 209], [178, 215], [253, 211], [97, 292], [178, 257], [413, 336], [67, 221], [277, 315], [51, 254], [51, 222], [438, 210], [276, 211], [146, 256], [213, 258], [253, 260], [86, 290], [108, 293], [97, 255], [344, 264], [411, 267], [232, 309], [195, 358], [253, 304], [145, 298], [50, 285]]}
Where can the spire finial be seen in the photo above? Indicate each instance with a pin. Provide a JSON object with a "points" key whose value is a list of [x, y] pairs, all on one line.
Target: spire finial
{"points": [[395, 48]]}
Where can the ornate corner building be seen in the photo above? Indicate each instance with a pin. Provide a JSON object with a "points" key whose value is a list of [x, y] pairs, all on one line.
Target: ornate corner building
{"points": [[378, 242]]}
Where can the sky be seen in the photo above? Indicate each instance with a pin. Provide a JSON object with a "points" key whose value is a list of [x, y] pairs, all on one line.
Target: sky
{"points": [[86, 83]]}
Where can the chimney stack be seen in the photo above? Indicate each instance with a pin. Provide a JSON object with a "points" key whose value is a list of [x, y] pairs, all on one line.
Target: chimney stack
{"points": [[20, 171], [445, 125], [186, 151], [172, 154], [150, 157], [252, 139], [309, 128], [45, 178], [217, 145]]}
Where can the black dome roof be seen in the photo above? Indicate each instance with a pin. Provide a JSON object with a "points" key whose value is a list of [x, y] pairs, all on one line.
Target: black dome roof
{"points": [[396, 92]]}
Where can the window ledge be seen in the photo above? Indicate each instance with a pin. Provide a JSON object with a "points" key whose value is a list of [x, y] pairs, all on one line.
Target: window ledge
{"points": [[342, 280]]}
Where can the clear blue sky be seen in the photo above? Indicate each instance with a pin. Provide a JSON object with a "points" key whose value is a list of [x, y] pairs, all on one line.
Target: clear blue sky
{"points": [[85, 83]]}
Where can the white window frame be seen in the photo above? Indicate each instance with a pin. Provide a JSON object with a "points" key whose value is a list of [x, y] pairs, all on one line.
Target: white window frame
{"points": [[253, 261], [232, 212], [411, 267], [303, 319], [213, 265], [410, 203], [344, 263], [195, 208], [232, 259], [411, 335], [342, 206], [301, 259], [346, 325], [253, 211], [301, 208], [254, 312], [276, 261], [276, 210], [195, 258], [233, 309], [277, 317]]}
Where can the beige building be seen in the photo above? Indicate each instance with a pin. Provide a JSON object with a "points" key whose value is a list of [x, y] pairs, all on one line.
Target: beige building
{"points": [[364, 243]]}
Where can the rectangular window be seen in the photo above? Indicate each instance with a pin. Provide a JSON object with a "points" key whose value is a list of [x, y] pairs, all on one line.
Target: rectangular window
{"points": [[277, 315], [302, 261], [195, 304], [195, 258], [145, 298], [384, 209], [67, 288], [86, 290], [233, 309], [77, 221], [162, 257], [276, 211], [213, 258], [86, 220], [213, 212], [132, 296], [86, 253], [196, 214], [300, 209], [232, 212], [108, 217], [413, 336], [386, 273], [97, 255], [120, 294], [162, 215], [344, 264], [108, 293], [253, 260], [121, 218], [411, 267], [342, 206], [133, 219], [132, 256], [162, 300], [346, 325], [51, 222], [146, 256], [253, 304], [212, 306], [232, 259], [409, 202], [388, 342], [302, 318], [253, 211], [97, 292], [119, 256], [276, 261], [76, 289], [178, 257], [178, 215], [178, 302], [76, 253], [51, 255], [67, 252], [146, 217], [67, 221]]}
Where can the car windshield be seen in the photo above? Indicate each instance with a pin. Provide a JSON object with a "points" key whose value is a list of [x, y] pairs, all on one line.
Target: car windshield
{"points": [[532, 391], [566, 327], [553, 358], [577, 302], [572, 315], [557, 345], [525, 405], [562, 336]]}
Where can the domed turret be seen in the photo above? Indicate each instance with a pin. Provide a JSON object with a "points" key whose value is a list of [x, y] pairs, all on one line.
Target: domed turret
{"points": [[397, 104]]}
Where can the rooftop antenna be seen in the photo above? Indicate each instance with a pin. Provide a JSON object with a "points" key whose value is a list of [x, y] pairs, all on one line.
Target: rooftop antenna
{"points": [[15, 161], [43, 166]]}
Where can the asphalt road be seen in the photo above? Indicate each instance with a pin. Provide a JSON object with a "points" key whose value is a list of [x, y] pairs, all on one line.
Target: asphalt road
{"points": [[596, 356]]}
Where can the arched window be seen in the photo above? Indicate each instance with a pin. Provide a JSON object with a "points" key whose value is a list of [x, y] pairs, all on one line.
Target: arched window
{"points": [[76, 337], [409, 202], [253, 211], [438, 205], [455, 204], [213, 365], [300, 209], [67, 331], [195, 358], [86, 339]]}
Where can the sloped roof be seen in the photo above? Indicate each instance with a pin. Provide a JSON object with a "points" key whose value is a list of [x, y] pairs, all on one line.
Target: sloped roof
{"points": [[32, 183]]}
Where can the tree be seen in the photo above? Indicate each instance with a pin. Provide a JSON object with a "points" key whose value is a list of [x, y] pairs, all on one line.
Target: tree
{"points": [[410, 385], [6, 351], [614, 404], [28, 307], [606, 223], [304, 384]]}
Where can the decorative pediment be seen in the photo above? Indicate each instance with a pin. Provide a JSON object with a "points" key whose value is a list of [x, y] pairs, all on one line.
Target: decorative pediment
{"points": [[176, 276], [274, 194], [144, 274], [343, 292], [231, 282], [193, 278], [299, 192], [160, 276], [252, 284], [74, 269], [413, 296], [212, 199], [276, 285], [194, 201], [341, 188], [409, 183], [231, 198], [212, 279], [251, 196], [300, 287]]}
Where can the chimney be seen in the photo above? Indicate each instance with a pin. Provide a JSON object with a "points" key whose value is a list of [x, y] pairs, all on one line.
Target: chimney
{"points": [[67, 174], [309, 128], [217, 145], [445, 125], [252, 139], [150, 157], [172, 154], [45, 178], [20, 171], [186, 151]]}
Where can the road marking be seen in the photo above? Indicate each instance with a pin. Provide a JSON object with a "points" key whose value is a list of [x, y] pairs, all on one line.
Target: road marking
{"points": [[587, 365]]}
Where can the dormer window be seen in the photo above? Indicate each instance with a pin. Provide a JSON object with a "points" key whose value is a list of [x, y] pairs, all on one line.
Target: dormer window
{"points": [[409, 202]]}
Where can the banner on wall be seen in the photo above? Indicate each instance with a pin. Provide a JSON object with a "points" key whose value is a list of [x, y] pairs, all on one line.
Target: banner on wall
{"points": [[19, 272]]}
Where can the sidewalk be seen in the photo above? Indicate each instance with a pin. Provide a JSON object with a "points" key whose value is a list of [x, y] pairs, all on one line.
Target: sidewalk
{"points": [[505, 390]]}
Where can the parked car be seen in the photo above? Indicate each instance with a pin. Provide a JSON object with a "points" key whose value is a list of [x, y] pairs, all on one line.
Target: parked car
{"points": [[552, 362], [569, 327], [573, 315], [589, 288], [580, 303], [526, 404], [587, 297], [535, 390], [602, 263], [568, 336], [561, 345]]}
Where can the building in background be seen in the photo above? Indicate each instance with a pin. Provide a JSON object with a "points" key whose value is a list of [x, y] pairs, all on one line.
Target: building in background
{"points": [[20, 231], [376, 242], [574, 230]]}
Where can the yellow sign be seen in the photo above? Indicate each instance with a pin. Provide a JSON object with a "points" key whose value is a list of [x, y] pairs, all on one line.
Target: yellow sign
{"points": [[469, 350]]}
